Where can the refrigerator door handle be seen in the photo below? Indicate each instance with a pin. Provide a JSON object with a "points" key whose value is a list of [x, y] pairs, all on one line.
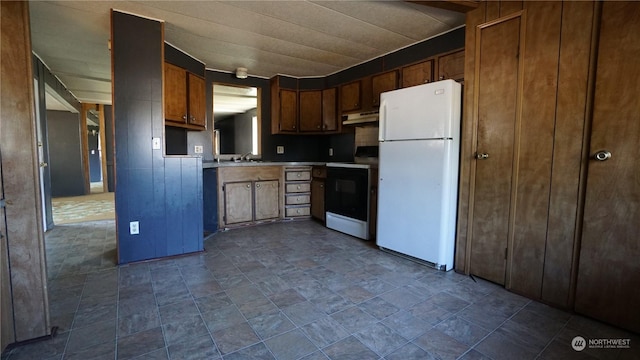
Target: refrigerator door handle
{"points": [[382, 132]]}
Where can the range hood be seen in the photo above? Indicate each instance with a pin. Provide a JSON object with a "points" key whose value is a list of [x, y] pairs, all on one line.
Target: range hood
{"points": [[369, 117]]}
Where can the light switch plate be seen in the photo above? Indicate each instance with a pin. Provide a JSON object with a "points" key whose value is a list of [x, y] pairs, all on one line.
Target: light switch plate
{"points": [[155, 144], [330, 151], [280, 149], [198, 149]]}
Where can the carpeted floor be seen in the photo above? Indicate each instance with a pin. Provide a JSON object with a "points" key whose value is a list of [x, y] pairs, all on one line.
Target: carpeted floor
{"points": [[75, 209]]}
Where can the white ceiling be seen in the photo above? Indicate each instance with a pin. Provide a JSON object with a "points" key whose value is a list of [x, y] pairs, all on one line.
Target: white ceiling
{"points": [[296, 38]]}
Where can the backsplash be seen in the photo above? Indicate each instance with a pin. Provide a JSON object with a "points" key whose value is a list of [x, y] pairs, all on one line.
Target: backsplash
{"points": [[366, 136]]}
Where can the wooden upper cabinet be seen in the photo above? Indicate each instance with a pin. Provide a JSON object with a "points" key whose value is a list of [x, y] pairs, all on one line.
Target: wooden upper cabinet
{"points": [[330, 120], [451, 66], [417, 74], [184, 98], [288, 110], [383, 82], [197, 100], [310, 110], [350, 96], [175, 83]]}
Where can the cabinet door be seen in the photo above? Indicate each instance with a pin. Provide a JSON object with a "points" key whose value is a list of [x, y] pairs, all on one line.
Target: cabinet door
{"points": [[197, 101], [175, 96], [317, 199], [310, 110], [238, 202], [496, 114], [451, 66], [350, 96], [288, 110], [417, 74], [329, 111], [381, 83], [267, 202], [7, 334], [609, 270]]}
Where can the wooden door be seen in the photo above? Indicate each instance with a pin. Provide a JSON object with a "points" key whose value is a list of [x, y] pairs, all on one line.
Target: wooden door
{"points": [[197, 101], [288, 110], [495, 105], [350, 96], [7, 335], [609, 269], [310, 110], [417, 74], [175, 93], [381, 83], [238, 202], [329, 110], [267, 196]]}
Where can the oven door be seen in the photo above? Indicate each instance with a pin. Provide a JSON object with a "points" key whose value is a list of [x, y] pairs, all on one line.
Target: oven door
{"points": [[347, 192]]}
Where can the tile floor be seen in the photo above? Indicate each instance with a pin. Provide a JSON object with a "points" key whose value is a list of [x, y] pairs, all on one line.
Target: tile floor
{"points": [[293, 290]]}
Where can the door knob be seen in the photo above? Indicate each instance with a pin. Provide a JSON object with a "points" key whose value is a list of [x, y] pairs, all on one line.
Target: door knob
{"points": [[482, 156], [602, 155], [43, 164]]}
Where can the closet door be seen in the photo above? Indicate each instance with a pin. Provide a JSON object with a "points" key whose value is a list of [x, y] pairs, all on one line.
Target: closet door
{"points": [[609, 269], [496, 103]]}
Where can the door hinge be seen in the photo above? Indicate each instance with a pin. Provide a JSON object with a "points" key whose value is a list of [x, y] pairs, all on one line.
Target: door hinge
{"points": [[505, 253], [2, 203]]}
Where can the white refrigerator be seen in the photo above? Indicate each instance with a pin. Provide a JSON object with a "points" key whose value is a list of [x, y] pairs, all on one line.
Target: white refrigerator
{"points": [[418, 171]]}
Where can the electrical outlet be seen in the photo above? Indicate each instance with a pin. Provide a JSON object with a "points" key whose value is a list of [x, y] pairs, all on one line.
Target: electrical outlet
{"points": [[198, 149], [134, 228], [280, 149], [330, 151]]}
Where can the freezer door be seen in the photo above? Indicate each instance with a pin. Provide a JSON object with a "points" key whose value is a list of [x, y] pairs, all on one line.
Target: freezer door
{"points": [[417, 196], [429, 111]]}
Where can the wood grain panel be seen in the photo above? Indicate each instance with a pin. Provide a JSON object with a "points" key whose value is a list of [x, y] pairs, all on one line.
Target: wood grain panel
{"points": [[573, 77], [417, 74], [330, 121], [492, 11], [310, 110], [25, 239], [238, 202], [609, 270], [267, 195], [535, 147], [509, 7], [497, 66], [288, 110], [175, 101], [467, 141], [7, 335], [197, 101]]}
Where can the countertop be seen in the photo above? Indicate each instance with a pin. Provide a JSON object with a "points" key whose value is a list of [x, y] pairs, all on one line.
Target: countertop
{"points": [[214, 164]]}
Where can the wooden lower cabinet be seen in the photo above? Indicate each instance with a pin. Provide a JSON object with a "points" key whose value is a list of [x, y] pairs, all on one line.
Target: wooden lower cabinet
{"points": [[317, 199], [249, 195], [267, 194]]}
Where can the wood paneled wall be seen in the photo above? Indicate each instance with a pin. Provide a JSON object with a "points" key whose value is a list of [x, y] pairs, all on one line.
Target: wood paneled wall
{"points": [[556, 48], [21, 183]]}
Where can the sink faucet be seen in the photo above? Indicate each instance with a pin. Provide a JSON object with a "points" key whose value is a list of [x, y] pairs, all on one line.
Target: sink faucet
{"points": [[245, 156]]}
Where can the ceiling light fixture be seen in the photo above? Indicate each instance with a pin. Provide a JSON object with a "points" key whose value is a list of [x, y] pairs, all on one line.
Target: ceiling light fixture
{"points": [[241, 73]]}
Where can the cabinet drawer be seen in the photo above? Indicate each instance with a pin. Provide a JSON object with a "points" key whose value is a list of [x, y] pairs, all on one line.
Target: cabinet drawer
{"points": [[298, 211], [296, 188], [297, 199], [298, 175]]}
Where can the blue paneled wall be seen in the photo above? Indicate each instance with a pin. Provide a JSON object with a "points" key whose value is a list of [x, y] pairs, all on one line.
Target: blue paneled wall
{"points": [[164, 194]]}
